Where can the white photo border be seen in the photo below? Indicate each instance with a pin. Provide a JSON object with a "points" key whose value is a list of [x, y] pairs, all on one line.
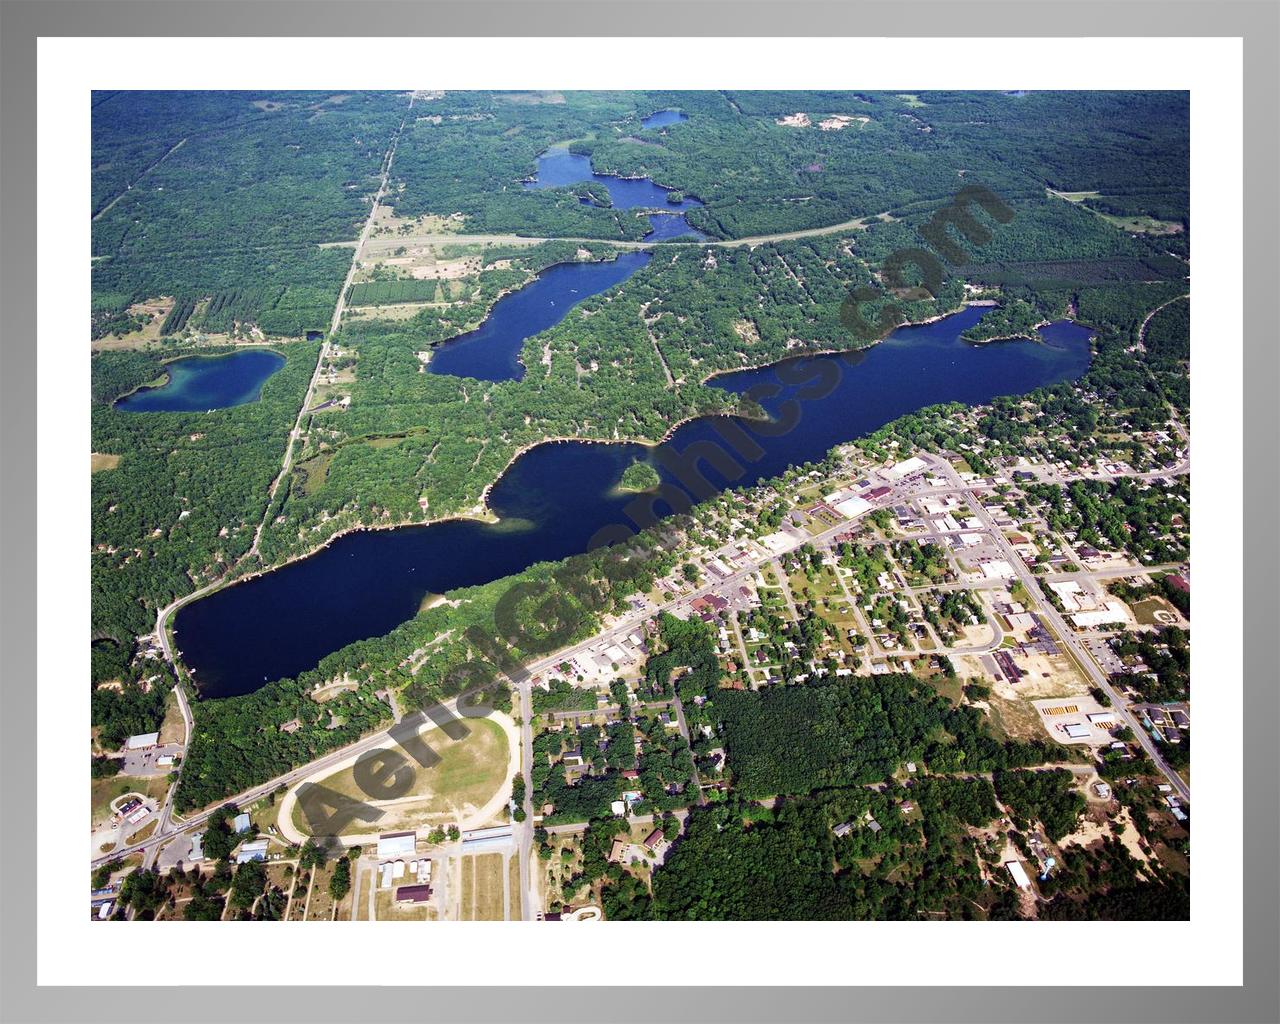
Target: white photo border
{"points": [[1210, 945]]}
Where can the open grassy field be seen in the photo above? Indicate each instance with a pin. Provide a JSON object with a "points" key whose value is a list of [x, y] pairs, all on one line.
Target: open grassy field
{"points": [[386, 908], [1154, 611], [172, 729], [143, 833], [482, 887], [104, 791], [1143, 225], [467, 910], [99, 461], [467, 776]]}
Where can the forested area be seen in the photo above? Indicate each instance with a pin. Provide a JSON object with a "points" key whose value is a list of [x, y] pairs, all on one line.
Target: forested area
{"points": [[1049, 797], [250, 185], [1014, 319], [600, 373], [1151, 523], [132, 706], [188, 492], [228, 224], [790, 740], [238, 742], [757, 176], [741, 862]]}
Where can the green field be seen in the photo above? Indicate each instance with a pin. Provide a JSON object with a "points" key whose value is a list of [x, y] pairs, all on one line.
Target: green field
{"points": [[386, 293], [469, 772]]}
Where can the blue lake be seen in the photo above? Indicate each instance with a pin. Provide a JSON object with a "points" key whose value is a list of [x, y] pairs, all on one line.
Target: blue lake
{"points": [[492, 350], [662, 118], [555, 500], [199, 383], [558, 167]]}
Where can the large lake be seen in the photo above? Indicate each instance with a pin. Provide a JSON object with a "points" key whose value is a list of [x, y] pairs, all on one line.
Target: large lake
{"points": [[492, 350], [558, 167], [556, 497], [198, 383]]}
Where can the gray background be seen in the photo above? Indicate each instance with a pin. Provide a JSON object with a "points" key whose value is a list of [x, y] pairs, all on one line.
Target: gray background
{"points": [[1257, 22]]}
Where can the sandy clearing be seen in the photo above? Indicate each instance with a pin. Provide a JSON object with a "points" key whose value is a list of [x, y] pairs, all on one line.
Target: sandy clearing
{"points": [[478, 818]]}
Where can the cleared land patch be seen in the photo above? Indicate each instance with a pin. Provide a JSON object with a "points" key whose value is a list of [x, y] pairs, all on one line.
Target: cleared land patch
{"points": [[471, 772]]}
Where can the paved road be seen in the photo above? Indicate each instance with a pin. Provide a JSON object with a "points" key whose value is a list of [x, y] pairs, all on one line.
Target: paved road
{"points": [[379, 246], [168, 830], [334, 324], [162, 617], [1067, 636], [530, 901], [627, 624]]}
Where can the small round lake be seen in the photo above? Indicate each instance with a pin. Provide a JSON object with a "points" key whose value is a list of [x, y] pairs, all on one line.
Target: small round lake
{"points": [[558, 168], [200, 383], [555, 498], [662, 118]]}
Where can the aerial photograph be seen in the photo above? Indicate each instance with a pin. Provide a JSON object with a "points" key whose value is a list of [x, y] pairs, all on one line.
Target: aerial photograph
{"points": [[592, 506]]}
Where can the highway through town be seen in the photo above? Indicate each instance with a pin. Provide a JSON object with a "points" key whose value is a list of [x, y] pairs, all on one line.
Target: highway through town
{"points": [[1069, 640], [622, 627]]}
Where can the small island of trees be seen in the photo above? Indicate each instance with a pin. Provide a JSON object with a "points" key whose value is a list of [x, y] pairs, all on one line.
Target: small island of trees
{"points": [[640, 476]]}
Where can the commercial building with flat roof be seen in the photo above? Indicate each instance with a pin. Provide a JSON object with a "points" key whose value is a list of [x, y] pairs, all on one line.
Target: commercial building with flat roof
{"points": [[1019, 873], [256, 850], [396, 844]]}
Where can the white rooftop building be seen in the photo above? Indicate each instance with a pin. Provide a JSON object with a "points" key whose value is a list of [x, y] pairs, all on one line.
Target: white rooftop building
{"points": [[396, 844], [256, 850], [1019, 874], [853, 507], [906, 468]]}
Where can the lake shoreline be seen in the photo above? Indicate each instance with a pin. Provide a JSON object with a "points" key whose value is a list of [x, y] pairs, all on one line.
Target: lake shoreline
{"points": [[553, 503], [170, 378], [480, 512]]}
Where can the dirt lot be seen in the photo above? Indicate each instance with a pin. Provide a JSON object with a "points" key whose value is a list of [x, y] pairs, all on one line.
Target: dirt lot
{"points": [[530, 98], [1096, 826], [155, 310], [172, 729], [469, 776], [387, 225], [400, 311], [1047, 675]]}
